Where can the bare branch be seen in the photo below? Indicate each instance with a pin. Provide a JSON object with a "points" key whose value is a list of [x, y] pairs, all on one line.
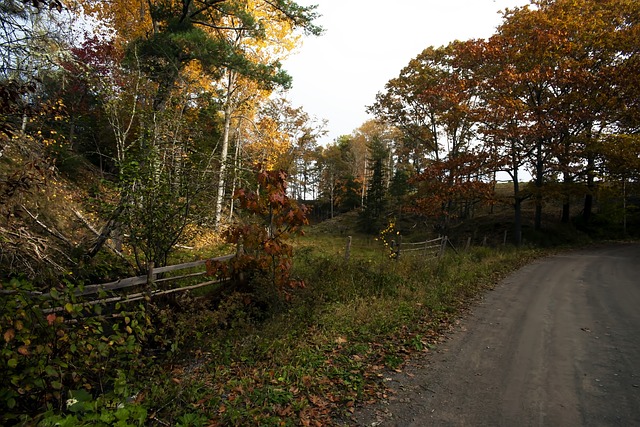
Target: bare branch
{"points": [[49, 230]]}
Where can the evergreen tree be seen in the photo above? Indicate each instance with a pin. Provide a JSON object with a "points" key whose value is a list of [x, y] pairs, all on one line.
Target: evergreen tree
{"points": [[372, 215]]}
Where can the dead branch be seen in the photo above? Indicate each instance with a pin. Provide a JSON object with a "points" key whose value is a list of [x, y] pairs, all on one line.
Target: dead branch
{"points": [[98, 235], [49, 230], [108, 228], [28, 250]]}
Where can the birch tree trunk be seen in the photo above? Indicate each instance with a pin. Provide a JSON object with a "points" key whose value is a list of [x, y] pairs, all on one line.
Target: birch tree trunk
{"points": [[228, 109]]}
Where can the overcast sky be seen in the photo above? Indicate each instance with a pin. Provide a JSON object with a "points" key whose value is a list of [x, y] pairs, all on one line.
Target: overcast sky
{"points": [[367, 42]]}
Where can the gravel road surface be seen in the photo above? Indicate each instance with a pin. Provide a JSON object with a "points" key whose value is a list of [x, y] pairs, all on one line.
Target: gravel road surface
{"points": [[555, 344]]}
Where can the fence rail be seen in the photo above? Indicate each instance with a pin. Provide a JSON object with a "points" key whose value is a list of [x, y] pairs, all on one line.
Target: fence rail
{"points": [[420, 246], [437, 245], [150, 279], [151, 275]]}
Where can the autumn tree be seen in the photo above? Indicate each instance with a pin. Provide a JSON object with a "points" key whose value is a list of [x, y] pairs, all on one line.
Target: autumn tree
{"points": [[546, 96], [30, 42], [286, 137], [502, 119], [372, 132], [270, 219], [431, 104], [571, 54], [405, 104], [174, 53], [620, 161], [278, 32], [338, 185]]}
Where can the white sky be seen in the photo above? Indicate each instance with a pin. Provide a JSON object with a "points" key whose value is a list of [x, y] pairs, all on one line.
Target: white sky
{"points": [[367, 42]]}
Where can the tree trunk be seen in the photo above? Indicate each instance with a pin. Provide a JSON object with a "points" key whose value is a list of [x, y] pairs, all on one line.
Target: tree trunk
{"points": [[225, 147], [588, 199], [491, 208], [566, 205], [517, 224], [106, 231], [539, 182], [566, 212], [236, 167], [517, 211], [364, 184], [331, 194], [624, 205]]}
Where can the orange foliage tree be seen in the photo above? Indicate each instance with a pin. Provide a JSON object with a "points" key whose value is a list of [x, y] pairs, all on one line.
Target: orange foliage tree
{"points": [[264, 254]]}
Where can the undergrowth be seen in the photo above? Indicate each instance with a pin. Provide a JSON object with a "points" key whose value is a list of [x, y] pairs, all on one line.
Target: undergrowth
{"points": [[314, 360], [247, 361]]}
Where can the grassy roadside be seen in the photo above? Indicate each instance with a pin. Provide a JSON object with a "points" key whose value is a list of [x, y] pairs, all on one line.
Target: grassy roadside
{"points": [[312, 361]]}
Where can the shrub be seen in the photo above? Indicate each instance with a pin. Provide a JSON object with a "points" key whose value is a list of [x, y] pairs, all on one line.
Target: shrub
{"points": [[270, 218], [55, 346]]}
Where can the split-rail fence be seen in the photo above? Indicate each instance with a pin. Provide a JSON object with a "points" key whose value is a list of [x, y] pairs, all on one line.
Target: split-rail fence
{"points": [[155, 282]]}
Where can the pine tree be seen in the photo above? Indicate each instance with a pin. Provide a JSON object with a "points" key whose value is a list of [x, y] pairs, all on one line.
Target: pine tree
{"points": [[376, 199]]}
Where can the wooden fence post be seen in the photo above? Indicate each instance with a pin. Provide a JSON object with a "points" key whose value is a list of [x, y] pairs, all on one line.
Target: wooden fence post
{"points": [[392, 246], [504, 241], [443, 245], [399, 244], [150, 280], [466, 248], [240, 247], [347, 252], [484, 241], [150, 276]]}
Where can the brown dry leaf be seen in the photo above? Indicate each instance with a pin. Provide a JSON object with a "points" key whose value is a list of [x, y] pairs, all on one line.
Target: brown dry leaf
{"points": [[8, 335], [140, 397], [51, 318], [306, 380], [317, 401], [286, 411]]}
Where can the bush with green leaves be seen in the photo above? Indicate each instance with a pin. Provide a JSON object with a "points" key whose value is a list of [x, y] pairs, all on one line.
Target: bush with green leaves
{"points": [[83, 410], [54, 345]]}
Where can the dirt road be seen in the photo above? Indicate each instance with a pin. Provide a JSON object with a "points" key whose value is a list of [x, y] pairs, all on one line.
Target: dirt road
{"points": [[555, 344]]}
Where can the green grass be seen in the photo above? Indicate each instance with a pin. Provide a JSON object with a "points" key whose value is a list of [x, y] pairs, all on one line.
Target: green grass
{"points": [[309, 362]]}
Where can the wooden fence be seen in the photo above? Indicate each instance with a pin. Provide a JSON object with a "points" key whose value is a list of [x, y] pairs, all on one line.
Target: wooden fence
{"points": [[435, 247], [425, 247], [151, 284], [151, 278]]}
